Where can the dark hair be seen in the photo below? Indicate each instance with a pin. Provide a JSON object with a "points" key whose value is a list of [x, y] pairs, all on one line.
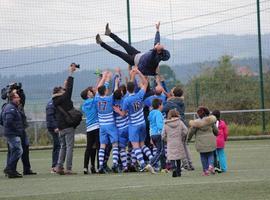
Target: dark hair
{"points": [[85, 91], [156, 103], [177, 91], [57, 89], [130, 87], [102, 90], [117, 94], [216, 113], [123, 88], [203, 112]]}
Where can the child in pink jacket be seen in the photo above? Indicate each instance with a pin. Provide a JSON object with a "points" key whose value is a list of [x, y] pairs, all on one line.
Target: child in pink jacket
{"points": [[221, 140]]}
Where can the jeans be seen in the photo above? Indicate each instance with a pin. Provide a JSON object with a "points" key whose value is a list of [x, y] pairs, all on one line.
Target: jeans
{"points": [[131, 51], [207, 160], [221, 157], [15, 152], [160, 155], [56, 147], [66, 150]]}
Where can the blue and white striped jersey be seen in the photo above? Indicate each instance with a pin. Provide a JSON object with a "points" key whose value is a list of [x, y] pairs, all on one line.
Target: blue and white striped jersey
{"points": [[133, 104], [105, 110], [120, 122]]}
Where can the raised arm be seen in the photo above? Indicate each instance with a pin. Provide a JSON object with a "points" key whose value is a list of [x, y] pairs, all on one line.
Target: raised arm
{"points": [[103, 79], [144, 81], [157, 36]]}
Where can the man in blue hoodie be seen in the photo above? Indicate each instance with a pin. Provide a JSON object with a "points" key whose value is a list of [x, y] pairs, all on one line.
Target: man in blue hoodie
{"points": [[147, 62]]}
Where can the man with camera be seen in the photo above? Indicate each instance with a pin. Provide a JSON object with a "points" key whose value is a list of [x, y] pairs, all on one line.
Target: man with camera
{"points": [[63, 104], [5, 94], [12, 121]]}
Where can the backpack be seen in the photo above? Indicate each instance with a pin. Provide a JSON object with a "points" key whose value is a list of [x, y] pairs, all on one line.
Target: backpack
{"points": [[73, 117]]}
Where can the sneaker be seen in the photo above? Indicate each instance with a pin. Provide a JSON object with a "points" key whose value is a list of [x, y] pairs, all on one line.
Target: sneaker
{"points": [[69, 172], [174, 173], [115, 169], [125, 170], [85, 171], [164, 171], [218, 170], [93, 170], [205, 173], [149, 168], [211, 169], [98, 39], [53, 170], [107, 30], [132, 168], [60, 171], [102, 171]]}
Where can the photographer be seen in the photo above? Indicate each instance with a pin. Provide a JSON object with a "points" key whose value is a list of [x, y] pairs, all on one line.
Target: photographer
{"points": [[63, 103], [5, 94]]}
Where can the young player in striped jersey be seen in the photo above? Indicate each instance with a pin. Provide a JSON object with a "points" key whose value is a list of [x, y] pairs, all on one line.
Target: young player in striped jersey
{"points": [[108, 132], [133, 106]]}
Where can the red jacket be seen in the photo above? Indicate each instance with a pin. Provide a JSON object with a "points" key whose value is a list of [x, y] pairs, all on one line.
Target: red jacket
{"points": [[222, 134]]}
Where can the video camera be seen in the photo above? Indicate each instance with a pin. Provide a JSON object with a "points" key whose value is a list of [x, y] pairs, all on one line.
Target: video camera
{"points": [[76, 65], [8, 89]]}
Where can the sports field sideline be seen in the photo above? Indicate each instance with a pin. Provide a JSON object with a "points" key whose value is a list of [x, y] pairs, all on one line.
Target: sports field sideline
{"points": [[248, 178]]}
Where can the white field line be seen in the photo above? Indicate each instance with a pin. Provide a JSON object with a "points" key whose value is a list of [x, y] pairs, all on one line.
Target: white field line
{"points": [[141, 186]]}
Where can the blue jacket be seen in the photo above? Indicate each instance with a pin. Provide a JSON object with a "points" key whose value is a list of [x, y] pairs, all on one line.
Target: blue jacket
{"points": [[149, 61], [12, 120], [50, 116], [156, 122]]}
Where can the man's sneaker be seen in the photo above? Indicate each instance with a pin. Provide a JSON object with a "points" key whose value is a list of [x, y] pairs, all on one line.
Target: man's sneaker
{"points": [[93, 170], [98, 39], [85, 171], [53, 170], [69, 172], [107, 30], [174, 173], [102, 171], [132, 168], [60, 171], [149, 168], [125, 170], [165, 171], [115, 169]]}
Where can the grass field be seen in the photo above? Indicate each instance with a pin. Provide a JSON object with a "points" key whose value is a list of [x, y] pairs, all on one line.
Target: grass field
{"points": [[248, 178]]}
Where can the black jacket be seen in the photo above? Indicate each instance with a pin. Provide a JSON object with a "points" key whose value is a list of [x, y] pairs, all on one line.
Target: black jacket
{"points": [[63, 100], [51, 116]]}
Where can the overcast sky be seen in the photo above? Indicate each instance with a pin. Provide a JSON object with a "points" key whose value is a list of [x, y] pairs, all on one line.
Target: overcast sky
{"points": [[32, 22]]}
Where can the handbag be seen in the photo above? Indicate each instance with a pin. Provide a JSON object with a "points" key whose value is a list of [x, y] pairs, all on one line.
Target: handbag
{"points": [[73, 117]]}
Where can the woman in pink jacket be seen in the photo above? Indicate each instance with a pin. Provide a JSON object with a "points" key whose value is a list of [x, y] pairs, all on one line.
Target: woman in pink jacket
{"points": [[221, 140]]}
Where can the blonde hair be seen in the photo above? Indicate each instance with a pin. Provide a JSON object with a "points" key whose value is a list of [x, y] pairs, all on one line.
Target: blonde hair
{"points": [[173, 113]]}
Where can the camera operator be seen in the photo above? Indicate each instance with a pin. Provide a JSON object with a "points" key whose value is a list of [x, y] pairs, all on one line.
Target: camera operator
{"points": [[17, 88], [12, 121]]}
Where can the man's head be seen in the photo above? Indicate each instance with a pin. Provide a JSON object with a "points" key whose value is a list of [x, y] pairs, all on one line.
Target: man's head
{"points": [[74, 65], [177, 91], [158, 90], [165, 55], [87, 93], [123, 89], [130, 87], [117, 95], [14, 98], [156, 104], [103, 91]]}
